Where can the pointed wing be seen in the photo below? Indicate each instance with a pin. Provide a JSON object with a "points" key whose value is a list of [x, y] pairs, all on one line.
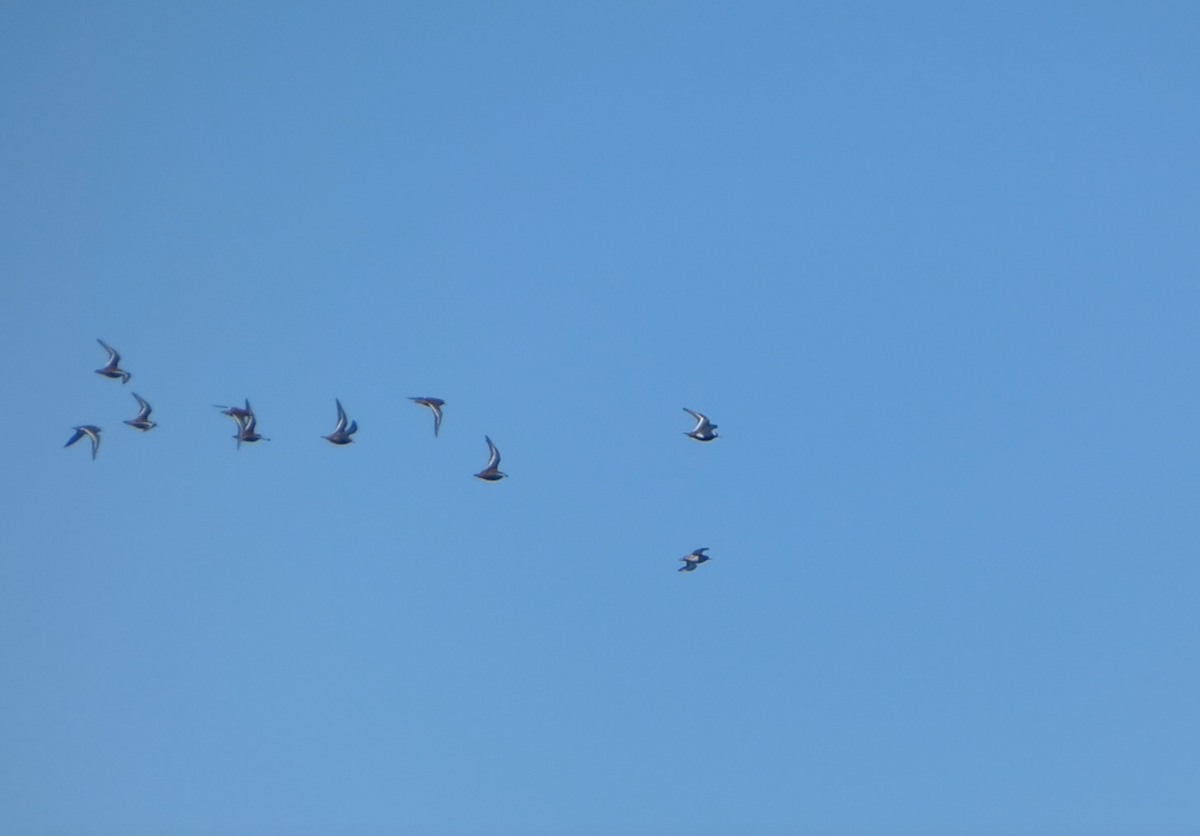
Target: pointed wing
{"points": [[94, 435], [114, 359], [702, 422], [341, 422], [145, 408], [494, 457], [434, 404], [78, 435]]}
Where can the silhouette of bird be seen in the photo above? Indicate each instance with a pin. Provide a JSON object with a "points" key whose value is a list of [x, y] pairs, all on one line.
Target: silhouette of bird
{"points": [[236, 412], [341, 433], [436, 405], [246, 431], [91, 432], [491, 473], [111, 368], [703, 431], [691, 561], [142, 420], [246, 423]]}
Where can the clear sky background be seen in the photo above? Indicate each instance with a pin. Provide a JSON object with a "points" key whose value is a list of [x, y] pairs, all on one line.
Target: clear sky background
{"points": [[932, 268]]}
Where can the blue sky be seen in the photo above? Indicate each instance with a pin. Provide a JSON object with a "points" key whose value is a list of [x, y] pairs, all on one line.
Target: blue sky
{"points": [[931, 268]]}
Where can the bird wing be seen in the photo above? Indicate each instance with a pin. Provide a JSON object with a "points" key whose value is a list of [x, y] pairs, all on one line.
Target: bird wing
{"points": [[494, 458], [95, 437], [114, 359], [145, 408], [702, 422]]}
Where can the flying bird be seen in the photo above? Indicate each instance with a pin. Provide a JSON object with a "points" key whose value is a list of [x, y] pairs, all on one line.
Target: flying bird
{"points": [[142, 420], [436, 405], [111, 368], [491, 473], [341, 433], [246, 430], [703, 431], [691, 561], [246, 422], [236, 412], [91, 432]]}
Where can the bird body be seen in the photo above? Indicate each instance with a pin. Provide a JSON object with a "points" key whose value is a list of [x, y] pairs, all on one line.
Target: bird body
{"points": [[91, 432], [691, 561]]}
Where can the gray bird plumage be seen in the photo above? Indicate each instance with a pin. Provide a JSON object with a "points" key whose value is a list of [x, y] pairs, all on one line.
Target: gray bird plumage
{"points": [[704, 429]]}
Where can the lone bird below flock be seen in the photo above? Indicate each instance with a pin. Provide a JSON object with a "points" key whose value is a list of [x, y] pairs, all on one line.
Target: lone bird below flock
{"points": [[341, 433], [703, 431], [691, 561], [91, 432], [112, 367], [491, 473], [142, 421], [436, 405]]}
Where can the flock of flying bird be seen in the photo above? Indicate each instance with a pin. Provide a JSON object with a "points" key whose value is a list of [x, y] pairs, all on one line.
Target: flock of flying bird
{"points": [[247, 432]]}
